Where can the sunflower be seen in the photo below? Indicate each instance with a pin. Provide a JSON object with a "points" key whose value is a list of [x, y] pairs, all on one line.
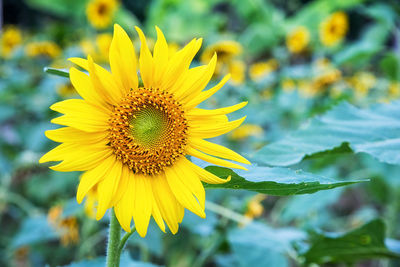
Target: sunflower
{"points": [[334, 28], [226, 50], [101, 12], [298, 39], [10, 38], [42, 49], [132, 141]]}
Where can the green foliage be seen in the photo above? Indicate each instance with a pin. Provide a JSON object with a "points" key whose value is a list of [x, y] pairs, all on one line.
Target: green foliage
{"points": [[367, 241], [275, 181], [374, 131]]}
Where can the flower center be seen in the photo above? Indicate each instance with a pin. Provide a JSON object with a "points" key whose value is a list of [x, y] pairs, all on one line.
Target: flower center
{"points": [[148, 131]]}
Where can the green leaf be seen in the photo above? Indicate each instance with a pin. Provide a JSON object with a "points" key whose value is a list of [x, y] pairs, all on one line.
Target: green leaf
{"points": [[59, 7], [275, 181], [57, 72], [259, 245], [26, 236], [390, 66], [365, 242], [375, 131]]}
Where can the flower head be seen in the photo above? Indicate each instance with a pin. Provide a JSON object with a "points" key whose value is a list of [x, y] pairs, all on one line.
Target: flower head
{"points": [[131, 141], [10, 38], [101, 12], [334, 28], [298, 39], [226, 52], [260, 70], [43, 48]]}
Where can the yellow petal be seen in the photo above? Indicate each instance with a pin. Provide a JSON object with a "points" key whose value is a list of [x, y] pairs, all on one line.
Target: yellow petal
{"points": [[143, 204], [122, 185], [160, 57], [208, 177], [191, 180], [93, 177], [107, 187], [203, 129], [195, 153], [196, 83], [179, 63], [145, 61], [182, 193], [81, 115], [206, 94], [123, 60], [76, 157], [72, 135], [216, 150], [214, 112], [166, 202], [124, 207], [84, 87], [103, 82]]}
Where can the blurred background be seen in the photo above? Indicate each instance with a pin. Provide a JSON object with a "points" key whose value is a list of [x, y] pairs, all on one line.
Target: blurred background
{"points": [[292, 60]]}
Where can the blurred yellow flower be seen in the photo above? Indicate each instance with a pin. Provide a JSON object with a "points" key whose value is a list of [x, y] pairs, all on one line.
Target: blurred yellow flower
{"points": [[259, 70], [362, 82], [67, 227], [334, 28], [226, 52], [10, 38], [288, 85], [98, 50], [100, 13], [298, 39], [326, 74], [237, 69], [66, 90], [394, 90], [246, 130], [254, 206], [306, 88], [42, 48]]}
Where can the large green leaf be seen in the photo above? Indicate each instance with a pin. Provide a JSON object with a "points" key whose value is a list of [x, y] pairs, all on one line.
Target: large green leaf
{"points": [[275, 181], [259, 245], [365, 242], [375, 131]]}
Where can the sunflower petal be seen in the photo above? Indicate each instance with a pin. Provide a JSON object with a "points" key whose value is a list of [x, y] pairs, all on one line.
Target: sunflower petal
{"points": [[143, 204], [123, 60], [92, 177], [203, 129], [107, 187], [146, 62], [124, 207], [195, 153], [182, 193], [206, 94], [217, 150]]}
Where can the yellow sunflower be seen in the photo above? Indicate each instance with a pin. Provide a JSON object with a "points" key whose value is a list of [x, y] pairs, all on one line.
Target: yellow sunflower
{"points": [[101, 12], [298, 39], [10, 38], [334, 28], [131, 141]]}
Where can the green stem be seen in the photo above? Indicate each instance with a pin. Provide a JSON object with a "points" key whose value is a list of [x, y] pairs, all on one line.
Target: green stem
{"points": [[114, 236], [57, 72], [123, 241]]}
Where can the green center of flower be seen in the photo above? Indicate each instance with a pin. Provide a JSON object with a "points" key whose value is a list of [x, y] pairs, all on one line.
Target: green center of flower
{"points": [[148, 131], [148, 125]]}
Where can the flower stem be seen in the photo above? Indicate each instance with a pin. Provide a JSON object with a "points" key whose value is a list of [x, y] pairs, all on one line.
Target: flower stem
{"points": [[123, 241], [114, 236]]}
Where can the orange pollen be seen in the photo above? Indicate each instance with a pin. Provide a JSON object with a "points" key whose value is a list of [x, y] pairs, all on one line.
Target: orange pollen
{"points": [[148, 130]]}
